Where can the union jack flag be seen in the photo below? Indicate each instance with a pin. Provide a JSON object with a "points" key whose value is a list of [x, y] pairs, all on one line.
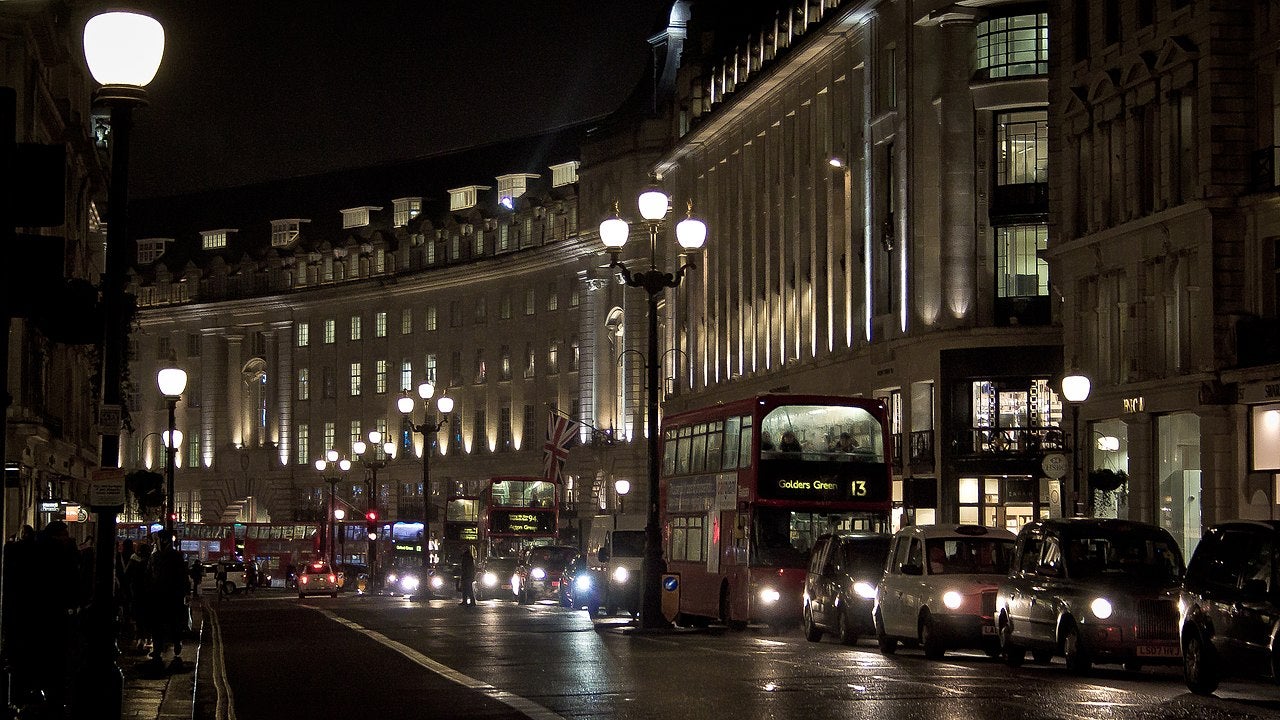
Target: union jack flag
{"points": [[560, 432]]}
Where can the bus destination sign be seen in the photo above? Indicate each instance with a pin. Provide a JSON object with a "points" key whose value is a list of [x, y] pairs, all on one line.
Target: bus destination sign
{"points": [[517, 521], [831, 487]]}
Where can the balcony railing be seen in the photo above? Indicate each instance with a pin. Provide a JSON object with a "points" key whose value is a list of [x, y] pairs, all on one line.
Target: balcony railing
{"points": [[921, 447], [1006, 442]]}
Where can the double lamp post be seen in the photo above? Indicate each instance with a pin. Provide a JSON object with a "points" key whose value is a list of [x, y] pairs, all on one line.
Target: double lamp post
{"points": [[429, 427], [691, 234]]}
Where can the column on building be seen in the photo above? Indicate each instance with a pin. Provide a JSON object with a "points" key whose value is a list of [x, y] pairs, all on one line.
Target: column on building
{"points": [[959, 262], [280, 360], [235, 388], [213, 395]]}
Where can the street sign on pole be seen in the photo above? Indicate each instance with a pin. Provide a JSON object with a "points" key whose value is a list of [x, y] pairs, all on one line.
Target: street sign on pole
{"points": [[106, 490]]}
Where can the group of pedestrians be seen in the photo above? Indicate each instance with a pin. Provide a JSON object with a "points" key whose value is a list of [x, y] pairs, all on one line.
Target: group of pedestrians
{"points": [[155, 584]]}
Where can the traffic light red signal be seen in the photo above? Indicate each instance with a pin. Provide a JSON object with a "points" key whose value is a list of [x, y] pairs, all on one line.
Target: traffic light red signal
{"points": [[371, 516], [371, 524]]}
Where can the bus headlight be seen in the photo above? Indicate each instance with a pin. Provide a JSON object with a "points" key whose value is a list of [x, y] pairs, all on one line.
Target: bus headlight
{"points": [[392, 577], [864, 589], [582, 583], [408, 583], [537, 573], [1101, 608], [770, 596], [620, 575], [490, 579], [952, 599]]}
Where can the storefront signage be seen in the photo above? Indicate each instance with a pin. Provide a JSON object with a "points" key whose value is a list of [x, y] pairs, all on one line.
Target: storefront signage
{"points": [[1259, 392], [521, 522], [1135, 404], [50, 506]]}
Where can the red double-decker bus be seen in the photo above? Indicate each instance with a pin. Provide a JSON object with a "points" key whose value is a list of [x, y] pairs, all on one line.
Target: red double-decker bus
{"points": [[747, 486], [519, 512]]}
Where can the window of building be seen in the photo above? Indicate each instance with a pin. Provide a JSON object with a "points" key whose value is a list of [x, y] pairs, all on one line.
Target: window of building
{"points": [[380, 324], [193, 345], [304, 334], [504, 306], [433, 319], [455, 247], [553, 357], [455, 313], [480, 236], [151, 249], [504, 237], [574, 350], [193, 450], [1022, 147], [355, 327], [482, 310], [1080, 31], [356, 433], [526, 236], [528, 301], [480, 369], [430, 249], [355, 379], [455, 368], [1014, 46], [575, 295], [285, 232], [380, 376], [431, 368], [404, 210], [504, 359], [330, 331], [1021, 270], [527, 429], [529, 360], [302, 449], [406, 375], [213, 239], [329, 381], [504, 429], [356, 217], [1015, 415], [565, 173], [304, 384], [164, 347], [479, 431], [464, 197], [553, 297], [330, 437]]}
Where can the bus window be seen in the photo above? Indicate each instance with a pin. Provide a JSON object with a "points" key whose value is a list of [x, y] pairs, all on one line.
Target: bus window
{"points": [[698, 458], [669, 453], [818, 429], [744, 449], [732, 428], [684, 445], [714, 437]]}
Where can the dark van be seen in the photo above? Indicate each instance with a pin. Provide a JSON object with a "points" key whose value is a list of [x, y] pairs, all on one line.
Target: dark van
{"points": [[840, 587]]}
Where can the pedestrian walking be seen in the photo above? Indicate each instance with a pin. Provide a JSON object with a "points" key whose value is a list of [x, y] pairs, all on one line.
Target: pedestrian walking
{"points": [[170, 586], [137, 581], [196, 573], [467, 577]]}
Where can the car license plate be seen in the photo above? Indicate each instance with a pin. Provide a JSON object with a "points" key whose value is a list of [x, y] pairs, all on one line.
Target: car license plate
{"points": [[988, 629], [1159, 651]]}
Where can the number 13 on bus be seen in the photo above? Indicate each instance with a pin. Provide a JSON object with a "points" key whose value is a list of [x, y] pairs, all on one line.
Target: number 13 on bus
{"points": [[747, 486]]}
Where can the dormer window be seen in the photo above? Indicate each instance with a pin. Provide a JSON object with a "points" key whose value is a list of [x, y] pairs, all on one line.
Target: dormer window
{"points": [[214, 239], [564, 173], [357, 216], [150, 249], [464, 198], [285, 232], [405, 209], [513, 186]]}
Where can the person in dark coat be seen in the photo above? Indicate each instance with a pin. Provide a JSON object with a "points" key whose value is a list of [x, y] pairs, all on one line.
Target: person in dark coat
{"points": [[137, 580], [467, 578], [169, 588], [196, 573]]}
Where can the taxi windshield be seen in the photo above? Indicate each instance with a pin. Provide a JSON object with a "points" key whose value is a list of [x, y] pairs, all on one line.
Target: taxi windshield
{"points": [[1145, 556], [551, 556]]}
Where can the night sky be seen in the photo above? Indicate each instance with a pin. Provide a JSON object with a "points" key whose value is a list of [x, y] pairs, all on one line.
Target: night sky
{"points": [[256, 91]]}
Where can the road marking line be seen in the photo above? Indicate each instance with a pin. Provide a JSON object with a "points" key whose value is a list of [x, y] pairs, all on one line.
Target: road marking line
{"points": [[520, 704], [225, 706]]}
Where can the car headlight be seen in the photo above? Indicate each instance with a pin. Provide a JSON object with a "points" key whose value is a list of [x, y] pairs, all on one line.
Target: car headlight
{"points": [[537, 573], [864, 589], [409, 583], [952, 599], [490, 579], [620, 575], [392, 577], [582, 583], [770, 595], [437, 582], [1101, 608]]}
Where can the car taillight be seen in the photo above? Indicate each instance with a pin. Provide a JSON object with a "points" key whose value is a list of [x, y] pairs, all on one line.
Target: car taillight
{"points": [[303, 579], [333, 578]]}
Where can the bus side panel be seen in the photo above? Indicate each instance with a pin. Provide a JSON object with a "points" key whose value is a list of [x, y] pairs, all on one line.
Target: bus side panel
{"points": [[699, 590]]}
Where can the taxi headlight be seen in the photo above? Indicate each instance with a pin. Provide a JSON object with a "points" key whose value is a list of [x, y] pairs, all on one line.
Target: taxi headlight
{"points": [[620, 575], [865, 589], [770, 596], [409, 583], [952, 599], [392, 577], [437, 582], [1101, 608], [537, 573], [582, 583], [490, 579]]}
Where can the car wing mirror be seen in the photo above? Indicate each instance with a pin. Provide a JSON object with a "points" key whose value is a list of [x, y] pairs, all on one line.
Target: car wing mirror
{"points": [[910, 569], [603, 555]]}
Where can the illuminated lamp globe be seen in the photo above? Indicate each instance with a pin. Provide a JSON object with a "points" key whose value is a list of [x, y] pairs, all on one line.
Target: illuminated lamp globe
{"points": [[622, 487], [375, 437], [331, 456], [339, 514], [389, 448], [358, 447], [172, 381], [444, 404], [321, 464], [691, 232], [1075, 388], [404, 404], [426, 390], [344, 464], [177, 439], [613, 232], [653, 204], [123, 48]]}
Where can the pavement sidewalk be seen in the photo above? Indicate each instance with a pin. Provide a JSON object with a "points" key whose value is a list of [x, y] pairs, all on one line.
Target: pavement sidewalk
{"points": [[152, 695]]}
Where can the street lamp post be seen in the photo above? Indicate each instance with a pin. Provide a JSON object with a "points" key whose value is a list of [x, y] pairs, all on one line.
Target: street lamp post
{"points": [[123, 51], [621, 486], [1075, 388], [371, 485], [339, 515], [691, 233], [331, 458], [172, 382], [429, 427]]}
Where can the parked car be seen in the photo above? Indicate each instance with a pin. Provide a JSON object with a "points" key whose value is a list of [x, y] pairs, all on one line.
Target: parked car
{"points": [[317, 578], [583, 586], [540, 572], [939, 588], [233, 581], [1092, 590], [1230, 606], [840, 587], [494, 579]]}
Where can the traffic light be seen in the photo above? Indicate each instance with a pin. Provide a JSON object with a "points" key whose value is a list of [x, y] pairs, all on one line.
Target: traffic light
{"points": [[371, 521]]}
